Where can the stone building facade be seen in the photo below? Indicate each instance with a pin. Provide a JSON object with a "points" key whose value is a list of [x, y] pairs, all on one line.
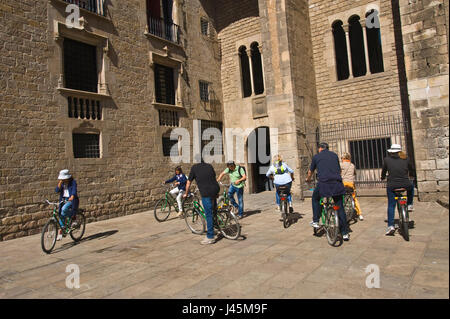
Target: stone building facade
{"points": [[265, 66]]}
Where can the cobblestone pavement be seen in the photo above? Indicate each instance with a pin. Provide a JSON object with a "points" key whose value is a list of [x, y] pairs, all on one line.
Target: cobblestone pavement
{"points": [[137, 257]]}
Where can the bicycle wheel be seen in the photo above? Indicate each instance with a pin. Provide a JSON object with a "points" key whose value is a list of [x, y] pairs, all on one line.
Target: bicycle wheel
{"points": [[195, 221], [228, 224], [48, 236], [78, 227], [332, 226], [162, 210], [188, 202], [284, 214], [349, 207], [404, 218]]}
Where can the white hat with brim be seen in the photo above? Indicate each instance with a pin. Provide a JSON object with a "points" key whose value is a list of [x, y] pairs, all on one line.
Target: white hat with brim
{"points": [[395, 148], [64, 174]]}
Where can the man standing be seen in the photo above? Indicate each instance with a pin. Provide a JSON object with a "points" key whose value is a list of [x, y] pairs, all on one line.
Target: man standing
{"points": [[237, 182], [205, 176], [329, 185]]}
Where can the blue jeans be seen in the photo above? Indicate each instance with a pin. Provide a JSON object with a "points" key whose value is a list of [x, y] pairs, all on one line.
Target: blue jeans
{"points": [[240, 196], [392, 202], [317, 210], [66, 211], [277, 197], [210, 205]]}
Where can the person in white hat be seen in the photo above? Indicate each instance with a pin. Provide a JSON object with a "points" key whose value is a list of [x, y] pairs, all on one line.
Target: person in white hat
{"points": [[67, 189], [399, 169]]}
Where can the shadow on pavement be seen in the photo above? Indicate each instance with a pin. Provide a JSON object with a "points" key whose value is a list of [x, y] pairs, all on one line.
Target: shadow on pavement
{"points": [[251, 212], [91, 237]]}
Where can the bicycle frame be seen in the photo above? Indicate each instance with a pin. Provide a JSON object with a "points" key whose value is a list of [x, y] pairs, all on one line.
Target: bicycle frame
{"points": [[202, 213], [56, 216], [325, 206]]}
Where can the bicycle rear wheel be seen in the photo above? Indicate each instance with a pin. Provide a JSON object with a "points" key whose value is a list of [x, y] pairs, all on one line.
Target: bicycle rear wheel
{"points": [[195, 221], [332, 226], [162, 210], [349, 207], [228, 224], [284, 214], [404, 218], [78, 227], [48, 236]]}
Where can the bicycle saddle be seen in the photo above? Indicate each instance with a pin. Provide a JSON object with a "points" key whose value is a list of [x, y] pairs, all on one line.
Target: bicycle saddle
{"points": [[349, 190], [400, 190]]}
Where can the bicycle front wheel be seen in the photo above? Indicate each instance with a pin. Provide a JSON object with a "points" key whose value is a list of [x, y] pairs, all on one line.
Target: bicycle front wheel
{"points": [[195, 221], [404, 221], [162, 210], [332, 226], [228, 224], [48, 236], [78, 227]]}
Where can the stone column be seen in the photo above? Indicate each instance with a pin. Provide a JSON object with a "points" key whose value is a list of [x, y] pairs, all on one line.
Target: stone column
{"points": [[250, 63], [349, 54], [366, 47]]}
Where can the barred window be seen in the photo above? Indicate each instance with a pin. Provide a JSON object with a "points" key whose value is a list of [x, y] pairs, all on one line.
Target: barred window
{"points": [[204, 91], [204, 26], [167, 145], [164, 84], [80, 66], [212, 124], [168, 118], [369, 154], [86, 145]]}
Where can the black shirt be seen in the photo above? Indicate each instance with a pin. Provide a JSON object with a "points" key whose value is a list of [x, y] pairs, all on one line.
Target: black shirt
{"points": [[398, 170], [205, 176]]}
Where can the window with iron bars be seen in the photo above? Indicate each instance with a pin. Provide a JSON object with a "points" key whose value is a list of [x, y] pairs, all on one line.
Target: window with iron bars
{"points": [[204, 24], [204, 91], [167, 145], [84, 108], [164, 85], [80, 66], [369, 154], [218, 144], [168, 118], [86, 145], [95, 6]]}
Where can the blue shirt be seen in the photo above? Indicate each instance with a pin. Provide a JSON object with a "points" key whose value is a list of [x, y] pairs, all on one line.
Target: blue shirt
{"points": [[72, 186], [280, 179], [180, 178], [328, 173]]}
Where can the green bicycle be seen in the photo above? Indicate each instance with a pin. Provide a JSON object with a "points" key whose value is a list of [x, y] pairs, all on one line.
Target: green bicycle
{"points": [[223, 219], [74, 226], [163, 207], [223, 202], [329, 220]]}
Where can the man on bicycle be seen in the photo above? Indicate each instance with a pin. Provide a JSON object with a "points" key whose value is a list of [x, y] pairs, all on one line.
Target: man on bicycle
{"points": [[237, 182], [329, 185], [205, 177]]}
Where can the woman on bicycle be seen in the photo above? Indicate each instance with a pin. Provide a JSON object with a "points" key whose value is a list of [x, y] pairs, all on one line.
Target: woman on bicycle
{"points": [[181, 180], [348, 173], [67, 189], [283, 175], [399, 169]]}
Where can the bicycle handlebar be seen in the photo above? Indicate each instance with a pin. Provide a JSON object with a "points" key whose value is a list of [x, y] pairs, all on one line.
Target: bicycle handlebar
{"points": [[226, 185], [55, 204]]}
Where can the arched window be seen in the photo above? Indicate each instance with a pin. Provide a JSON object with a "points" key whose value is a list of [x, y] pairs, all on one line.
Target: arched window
{"points": [[258, 81], [357, 46], [374, 42], [245, 71], [340, 50]]}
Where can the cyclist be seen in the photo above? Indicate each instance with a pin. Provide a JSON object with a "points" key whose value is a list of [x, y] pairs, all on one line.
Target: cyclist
{"points": [[237, 182], [67, 189], [348, 173], [282, 175], [205, 177], [329, 185], [181, 180], [399, 169]]}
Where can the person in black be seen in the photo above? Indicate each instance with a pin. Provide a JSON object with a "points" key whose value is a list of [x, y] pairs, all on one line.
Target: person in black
{"points": [[399, 169], [329, 185], [205, 177]]}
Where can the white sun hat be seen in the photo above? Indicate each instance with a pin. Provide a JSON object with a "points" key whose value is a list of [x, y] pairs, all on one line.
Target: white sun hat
{"points": [[395, 148], [64, 174]]}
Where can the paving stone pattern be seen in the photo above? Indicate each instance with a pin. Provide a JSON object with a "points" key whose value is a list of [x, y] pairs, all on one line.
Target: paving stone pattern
{"points": [[136, 257]]}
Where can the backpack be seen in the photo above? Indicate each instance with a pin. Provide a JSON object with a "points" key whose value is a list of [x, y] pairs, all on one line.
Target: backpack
{"points": [[239, 171]]}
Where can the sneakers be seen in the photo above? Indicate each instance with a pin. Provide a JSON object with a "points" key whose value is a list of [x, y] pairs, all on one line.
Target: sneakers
{"points": [[346, 237], [59, 237], [208, 241], [361, 217], [410, 208], [390, 231], [314, 224]]}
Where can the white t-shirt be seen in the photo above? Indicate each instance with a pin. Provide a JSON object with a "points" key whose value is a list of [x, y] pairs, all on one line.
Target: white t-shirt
{"points": [[65, 191]]}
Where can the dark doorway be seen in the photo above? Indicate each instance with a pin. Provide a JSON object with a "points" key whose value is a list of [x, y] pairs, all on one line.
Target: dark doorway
{"points": [[259, 159]]}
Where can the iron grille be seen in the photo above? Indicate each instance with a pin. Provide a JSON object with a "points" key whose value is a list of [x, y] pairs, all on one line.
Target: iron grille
{"points": [[95, 6], [217, 144], [204, 26], [168, 149], [86, 145], [168, 118], [164, 85], [204, 91]]}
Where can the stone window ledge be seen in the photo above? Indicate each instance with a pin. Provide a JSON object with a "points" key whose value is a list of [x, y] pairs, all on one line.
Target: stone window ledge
{"points": [[77, 93], [367, 77], [168, 106], [152, 36]]}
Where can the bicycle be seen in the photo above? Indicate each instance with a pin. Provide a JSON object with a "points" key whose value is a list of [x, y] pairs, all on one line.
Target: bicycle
{"points": [[163, 207], [285, 209], [224, 200], [329, 220], [223, 219], [349, 204], [403, 213], [74, 226]]}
